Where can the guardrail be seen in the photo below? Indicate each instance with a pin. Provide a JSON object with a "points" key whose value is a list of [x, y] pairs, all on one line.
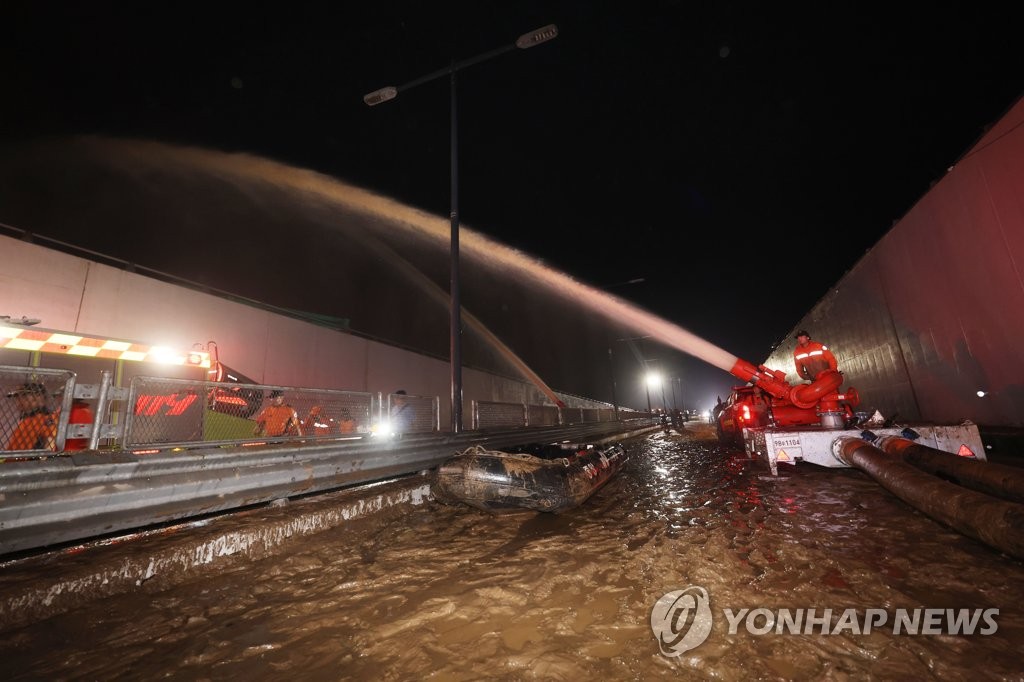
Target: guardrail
{"points": [[86, 494], [489, 414], [166, 449]]}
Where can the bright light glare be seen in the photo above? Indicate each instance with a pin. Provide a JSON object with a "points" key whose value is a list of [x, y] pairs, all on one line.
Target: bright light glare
{"points": [[382, 430], [653, 379], [164, 355], [982, 394]]}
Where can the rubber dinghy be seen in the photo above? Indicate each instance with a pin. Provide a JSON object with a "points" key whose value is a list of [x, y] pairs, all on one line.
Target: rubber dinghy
{"points": [[549, 478]]}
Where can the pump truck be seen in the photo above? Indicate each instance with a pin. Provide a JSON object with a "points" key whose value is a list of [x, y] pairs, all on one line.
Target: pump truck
{"points": [[785, 423]]}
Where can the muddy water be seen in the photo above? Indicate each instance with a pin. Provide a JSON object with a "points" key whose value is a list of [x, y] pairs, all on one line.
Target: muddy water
{"points": [[454, 593]]}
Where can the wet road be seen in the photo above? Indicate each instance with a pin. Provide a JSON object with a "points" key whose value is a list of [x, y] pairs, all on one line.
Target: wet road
{"points": [[453, 593]]}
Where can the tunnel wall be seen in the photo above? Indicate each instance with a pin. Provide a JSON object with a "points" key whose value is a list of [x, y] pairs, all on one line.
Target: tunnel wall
{"points": [[934, 312], [72, 294]]}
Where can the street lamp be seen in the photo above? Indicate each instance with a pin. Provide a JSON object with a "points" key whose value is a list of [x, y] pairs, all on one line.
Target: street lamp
{"points": [[527, 40], [653, 380]]}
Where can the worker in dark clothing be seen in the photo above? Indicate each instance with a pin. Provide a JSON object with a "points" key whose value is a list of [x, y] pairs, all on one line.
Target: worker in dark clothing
{"points": [[812, 358], [401, 413]]}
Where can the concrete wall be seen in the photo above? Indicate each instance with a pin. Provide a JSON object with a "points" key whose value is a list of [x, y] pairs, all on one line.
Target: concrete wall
{"points": [[934, 312], [72, 294]]}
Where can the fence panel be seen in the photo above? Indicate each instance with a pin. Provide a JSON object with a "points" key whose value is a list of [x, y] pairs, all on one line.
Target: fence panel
{"points": [[489, 415], [413, 413], [35, 410], [542, 415], [181, 412], [572, 415]]}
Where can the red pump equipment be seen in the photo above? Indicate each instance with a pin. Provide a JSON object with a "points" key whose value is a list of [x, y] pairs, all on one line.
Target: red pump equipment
{"points": [[819, 402]]}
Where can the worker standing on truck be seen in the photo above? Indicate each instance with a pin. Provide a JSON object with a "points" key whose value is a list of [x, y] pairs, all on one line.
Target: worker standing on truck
{"points": [[812, 358]]}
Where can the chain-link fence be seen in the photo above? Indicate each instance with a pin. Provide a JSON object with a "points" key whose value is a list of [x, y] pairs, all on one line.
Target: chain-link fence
{"points": [[489, 415], [181, 412], [542, 415], [411, 414], [35, 410], [43, 411]]}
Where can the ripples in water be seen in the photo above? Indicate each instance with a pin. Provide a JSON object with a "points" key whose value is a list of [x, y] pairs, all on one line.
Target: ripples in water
{"points": [[456, 593]]}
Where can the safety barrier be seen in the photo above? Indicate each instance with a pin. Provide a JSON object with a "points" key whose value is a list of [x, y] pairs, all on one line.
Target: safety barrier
{"points": [[45, 412], [35, 410], [412, 413], [489, 414], [542, 415], [169, 412]]}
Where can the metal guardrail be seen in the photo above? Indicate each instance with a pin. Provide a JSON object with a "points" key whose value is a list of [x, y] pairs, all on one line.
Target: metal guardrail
{"points": [[490, 414], [83, 495], [244, 444]]}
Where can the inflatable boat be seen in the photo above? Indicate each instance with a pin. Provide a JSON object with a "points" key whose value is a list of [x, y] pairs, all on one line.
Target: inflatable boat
{"points": [[548, 478]]}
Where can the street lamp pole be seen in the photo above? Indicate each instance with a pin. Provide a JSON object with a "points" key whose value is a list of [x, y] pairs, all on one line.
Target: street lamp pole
{"points": [[527, 40], [611, 370]]}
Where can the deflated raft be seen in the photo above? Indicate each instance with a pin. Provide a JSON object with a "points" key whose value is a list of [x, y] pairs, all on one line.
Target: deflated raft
{"points": [[549, 478]]}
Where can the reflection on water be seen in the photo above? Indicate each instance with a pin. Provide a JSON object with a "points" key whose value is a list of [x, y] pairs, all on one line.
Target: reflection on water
{"points": [[459, 594]]}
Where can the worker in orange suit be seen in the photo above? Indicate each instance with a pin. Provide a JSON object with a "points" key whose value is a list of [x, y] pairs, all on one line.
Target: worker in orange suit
{"points": [[37, 427], [317, 423], [812, 358], [277, 419]]}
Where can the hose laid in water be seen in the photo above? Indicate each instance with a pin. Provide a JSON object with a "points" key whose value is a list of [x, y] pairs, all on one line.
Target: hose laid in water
{"points": [[997, 523], [993, 479]]}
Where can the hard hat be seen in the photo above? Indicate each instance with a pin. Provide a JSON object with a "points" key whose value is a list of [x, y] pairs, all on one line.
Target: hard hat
{"points": [[802, 332]]}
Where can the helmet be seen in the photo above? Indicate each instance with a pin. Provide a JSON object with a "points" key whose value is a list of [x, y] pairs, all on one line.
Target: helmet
{"points": [[802, 332]]}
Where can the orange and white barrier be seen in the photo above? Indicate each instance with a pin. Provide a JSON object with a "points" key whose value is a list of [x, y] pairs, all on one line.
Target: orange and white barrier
{"points": [[50, 341]]}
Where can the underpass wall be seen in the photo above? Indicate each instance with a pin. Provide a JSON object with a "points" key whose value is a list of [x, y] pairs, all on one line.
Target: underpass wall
{"points": [[73, 294], [933, 314]]}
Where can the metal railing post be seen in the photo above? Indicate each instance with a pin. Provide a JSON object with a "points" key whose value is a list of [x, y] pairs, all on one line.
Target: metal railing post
{"points": [[101, 410]]}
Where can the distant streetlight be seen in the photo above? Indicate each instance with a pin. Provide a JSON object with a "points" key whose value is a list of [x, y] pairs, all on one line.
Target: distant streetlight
{"points": [[527, 40], [611, 356], [652, 380], [655, 380]]}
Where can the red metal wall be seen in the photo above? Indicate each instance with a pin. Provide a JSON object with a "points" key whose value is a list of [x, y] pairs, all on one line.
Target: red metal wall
{"points": [[934, 312]]}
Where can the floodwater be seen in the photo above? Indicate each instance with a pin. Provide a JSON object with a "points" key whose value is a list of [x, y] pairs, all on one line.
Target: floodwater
{"points": [[448, 592]]}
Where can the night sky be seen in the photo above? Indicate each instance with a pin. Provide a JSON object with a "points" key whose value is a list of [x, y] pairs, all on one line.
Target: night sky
{"points": [[738, 157]]}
